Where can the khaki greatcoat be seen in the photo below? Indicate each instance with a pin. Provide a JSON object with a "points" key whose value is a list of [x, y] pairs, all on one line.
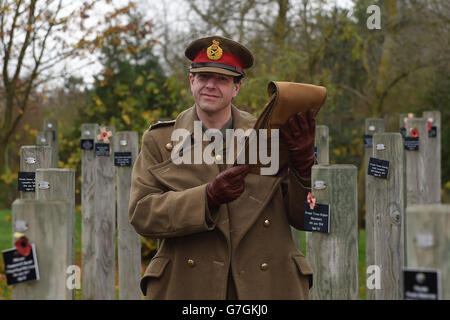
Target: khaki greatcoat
{"points": [[249, 237]]}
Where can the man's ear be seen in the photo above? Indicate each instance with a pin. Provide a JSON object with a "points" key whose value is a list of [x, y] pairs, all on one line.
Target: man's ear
{"points": [[237, 86], [191, 79]]}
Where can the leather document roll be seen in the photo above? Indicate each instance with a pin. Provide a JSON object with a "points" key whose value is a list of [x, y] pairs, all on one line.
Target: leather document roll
{"points": [[286, 99]]}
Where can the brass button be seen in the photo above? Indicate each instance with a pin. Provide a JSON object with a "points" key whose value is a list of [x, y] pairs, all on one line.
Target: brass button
{"points": [[264, 266], [169, 146], [191, 262], [266, 223], [218, 157]]}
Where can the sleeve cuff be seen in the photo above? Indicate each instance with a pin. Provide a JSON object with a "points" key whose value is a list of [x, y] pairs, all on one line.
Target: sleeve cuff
{"points": [[211, 216], [305, 182]]}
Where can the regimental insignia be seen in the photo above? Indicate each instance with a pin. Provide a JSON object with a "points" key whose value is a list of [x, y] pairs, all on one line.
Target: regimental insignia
{"points": [[214, 52]]}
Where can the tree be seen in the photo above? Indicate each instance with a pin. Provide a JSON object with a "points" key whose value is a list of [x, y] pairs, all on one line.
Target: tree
{"points": [[35, 37], [131, 91]]}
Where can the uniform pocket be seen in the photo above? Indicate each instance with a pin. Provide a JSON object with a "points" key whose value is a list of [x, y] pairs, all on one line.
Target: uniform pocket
{"points": [[304, 268], [154, 270]]}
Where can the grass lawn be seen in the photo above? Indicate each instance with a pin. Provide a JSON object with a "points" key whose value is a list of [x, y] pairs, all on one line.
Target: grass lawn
{"points": [[6, 243], [362, 264]]}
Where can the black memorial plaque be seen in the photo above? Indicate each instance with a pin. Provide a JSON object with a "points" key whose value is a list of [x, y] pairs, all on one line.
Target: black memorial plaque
{"points": [[122, 159], [378, 168], [317, 219], [18, 268], [87, 144], [316, 153], [412, 143], [403, 132], [102, 149], [421, 284], [432, 133], [26, 181], [368, 140]]}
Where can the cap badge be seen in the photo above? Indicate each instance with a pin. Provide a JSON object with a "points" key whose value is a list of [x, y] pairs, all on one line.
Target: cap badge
{"points": [[214, 52]]}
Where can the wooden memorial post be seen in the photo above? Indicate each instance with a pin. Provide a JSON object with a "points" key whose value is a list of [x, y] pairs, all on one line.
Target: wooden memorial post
{"points": [[433, 156], [48, 228], [334, 255], [59, 184], [104, 215], [386, 203], [88, 282], [44, 138], [418, 186], [372, 126], [129, 242], [428, 241], [322, 144], [403, 118], [31, 158], [52, 126]]}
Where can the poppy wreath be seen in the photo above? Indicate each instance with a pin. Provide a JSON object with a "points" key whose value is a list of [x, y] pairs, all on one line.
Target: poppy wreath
{"points": [[23, 246], [311, 200]]}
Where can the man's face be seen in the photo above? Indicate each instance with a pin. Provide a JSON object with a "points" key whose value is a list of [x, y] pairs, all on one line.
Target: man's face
{"points": [[213, 91]]}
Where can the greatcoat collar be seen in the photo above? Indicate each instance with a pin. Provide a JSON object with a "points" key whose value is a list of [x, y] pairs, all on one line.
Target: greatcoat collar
{"points": [[241, 119]]}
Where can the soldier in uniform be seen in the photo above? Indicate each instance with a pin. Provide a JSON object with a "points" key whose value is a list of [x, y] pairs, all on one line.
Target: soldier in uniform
{"points": [[225, 232]]}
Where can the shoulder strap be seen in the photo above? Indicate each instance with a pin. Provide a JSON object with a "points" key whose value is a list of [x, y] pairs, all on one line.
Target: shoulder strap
{"points": [[160, 124]]}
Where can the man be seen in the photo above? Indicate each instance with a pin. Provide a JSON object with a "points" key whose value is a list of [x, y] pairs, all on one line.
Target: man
{"points": [[225, 232]]}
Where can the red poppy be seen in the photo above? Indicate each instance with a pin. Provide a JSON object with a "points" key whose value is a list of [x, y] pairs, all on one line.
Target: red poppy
{"points": [[414, 133], [104, 135], [22, 246], [429, 125], [311, 200]]}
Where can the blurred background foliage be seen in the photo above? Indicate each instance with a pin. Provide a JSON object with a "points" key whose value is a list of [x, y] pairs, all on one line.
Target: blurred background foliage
{"points": [[402, 67]]}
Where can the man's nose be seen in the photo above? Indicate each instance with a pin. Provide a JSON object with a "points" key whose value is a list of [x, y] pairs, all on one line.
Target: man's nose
{"points": [[211, 82]]}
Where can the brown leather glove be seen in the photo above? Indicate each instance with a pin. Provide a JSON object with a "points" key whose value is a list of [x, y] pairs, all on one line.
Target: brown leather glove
{"points": [[299, 137], [227, 186]]}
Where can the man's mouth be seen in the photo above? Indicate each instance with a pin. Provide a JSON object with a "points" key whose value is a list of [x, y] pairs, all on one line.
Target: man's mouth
{"points": [[209, 95]]}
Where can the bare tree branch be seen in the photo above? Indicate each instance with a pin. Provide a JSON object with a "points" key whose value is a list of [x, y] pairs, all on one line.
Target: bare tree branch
{"points": [[25, 43], [9, 46], [360, 95], [207, 17]]}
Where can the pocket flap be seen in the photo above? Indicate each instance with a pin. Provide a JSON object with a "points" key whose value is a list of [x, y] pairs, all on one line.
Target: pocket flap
{"points": [[304, 267], [156, 267], [154, 270]]}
